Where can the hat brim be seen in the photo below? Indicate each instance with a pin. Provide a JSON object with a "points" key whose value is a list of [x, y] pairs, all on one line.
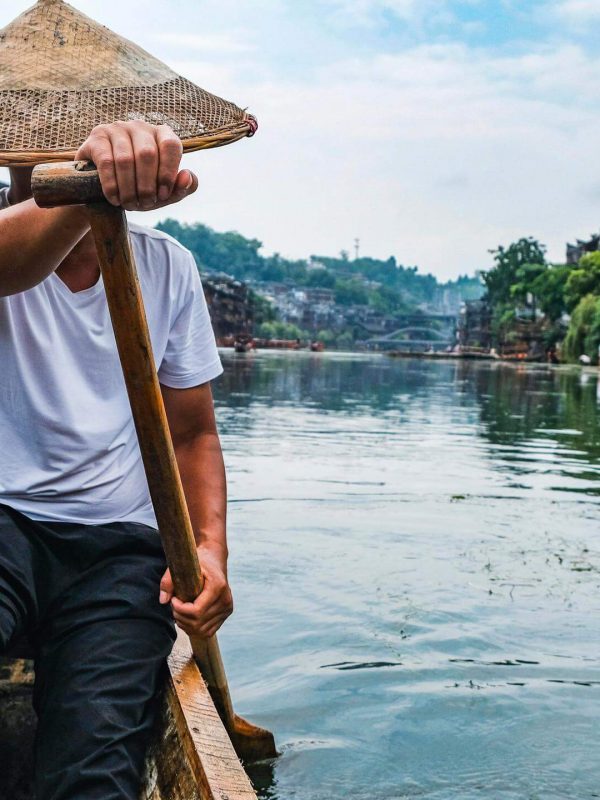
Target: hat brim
{"points": [[217, 139], [36, 127]]}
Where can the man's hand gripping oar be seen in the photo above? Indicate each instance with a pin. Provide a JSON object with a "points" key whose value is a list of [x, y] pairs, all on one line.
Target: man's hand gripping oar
{"points": [[79, 183]]}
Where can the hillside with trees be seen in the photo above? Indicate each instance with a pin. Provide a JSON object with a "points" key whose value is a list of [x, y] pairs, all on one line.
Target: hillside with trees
{"points": [[384, 285]]}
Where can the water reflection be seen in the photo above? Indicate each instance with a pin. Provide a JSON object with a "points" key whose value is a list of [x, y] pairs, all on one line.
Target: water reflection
{"points": [[331, 384], [515, 404]]}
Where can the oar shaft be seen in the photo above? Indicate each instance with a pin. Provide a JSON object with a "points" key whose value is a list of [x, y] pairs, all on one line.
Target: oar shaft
{"points": [[126, 306], [121, 283]]}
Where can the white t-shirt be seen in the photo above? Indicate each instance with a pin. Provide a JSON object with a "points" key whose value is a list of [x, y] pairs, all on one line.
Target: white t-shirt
{"points": [[68, 447]]}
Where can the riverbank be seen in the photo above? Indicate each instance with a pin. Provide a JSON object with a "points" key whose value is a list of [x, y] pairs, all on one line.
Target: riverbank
{"points": [[437, 358]]}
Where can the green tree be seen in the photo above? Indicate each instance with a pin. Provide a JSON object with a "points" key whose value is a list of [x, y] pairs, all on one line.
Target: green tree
{"points": [[386, 300], [327, 337], [350, 292], [508, 270], [280, 330], [526, 277], [345, 341], [262, 309], [517, 268], [217, 252], [583, 336], [583, 280], [322, 278], [549, 288]]}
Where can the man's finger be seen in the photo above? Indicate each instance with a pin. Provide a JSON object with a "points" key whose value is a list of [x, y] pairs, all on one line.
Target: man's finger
{"points": [[170, 151], [99, 150], [166, 588], [124, 166], [145, 151], [205, 629], [213, 592], [196, 610], [221, 605], [215, 619], [210, 627], [186, 183]]}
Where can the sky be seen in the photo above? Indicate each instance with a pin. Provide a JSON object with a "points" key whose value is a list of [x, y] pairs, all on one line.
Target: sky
{"points": [[432, 130]]}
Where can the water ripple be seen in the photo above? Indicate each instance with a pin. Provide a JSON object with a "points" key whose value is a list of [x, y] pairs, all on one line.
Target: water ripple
{"points": [[416, 565]]}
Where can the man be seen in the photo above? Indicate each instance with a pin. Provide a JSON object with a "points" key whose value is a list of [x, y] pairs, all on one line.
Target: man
{"points": [[88, 592], [82, 573]]}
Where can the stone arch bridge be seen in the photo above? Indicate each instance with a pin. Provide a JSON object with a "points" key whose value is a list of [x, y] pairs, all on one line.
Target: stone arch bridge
{"points": [[418, 333]]}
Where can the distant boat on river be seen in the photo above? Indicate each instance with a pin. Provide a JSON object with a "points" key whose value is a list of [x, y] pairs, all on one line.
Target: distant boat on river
{"points": [[470, 354], [244, 342], [478, 354]]}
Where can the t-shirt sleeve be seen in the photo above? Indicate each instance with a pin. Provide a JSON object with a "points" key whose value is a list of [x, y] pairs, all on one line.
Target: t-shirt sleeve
{"points": [[191, 356]]}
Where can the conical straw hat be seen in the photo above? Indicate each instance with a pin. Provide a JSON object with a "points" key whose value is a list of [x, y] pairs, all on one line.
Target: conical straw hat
{"points": [[61, 74]]}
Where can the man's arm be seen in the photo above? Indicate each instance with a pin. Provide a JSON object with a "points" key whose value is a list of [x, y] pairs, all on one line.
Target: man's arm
{"points": [[193, 429], [34, 241]]}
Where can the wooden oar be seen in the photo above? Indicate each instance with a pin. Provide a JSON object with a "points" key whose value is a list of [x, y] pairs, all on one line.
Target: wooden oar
{"points": [[78, 183]]}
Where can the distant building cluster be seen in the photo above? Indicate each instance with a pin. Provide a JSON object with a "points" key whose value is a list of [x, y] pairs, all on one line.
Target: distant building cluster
{"points": [[474, 325], [311, 309], [576, 251], [315, 309], [229, 304]]}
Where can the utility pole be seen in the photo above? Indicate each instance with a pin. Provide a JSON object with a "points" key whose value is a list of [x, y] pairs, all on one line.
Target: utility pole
{"points": [[356, 248]]}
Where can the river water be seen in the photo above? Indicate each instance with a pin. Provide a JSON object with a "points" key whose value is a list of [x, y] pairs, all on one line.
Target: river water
{"points": [[415, 557]]}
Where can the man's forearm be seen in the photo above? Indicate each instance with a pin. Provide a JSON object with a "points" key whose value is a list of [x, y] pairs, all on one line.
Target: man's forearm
{"points": [[200, 462], [34, 241], [203, 475]]}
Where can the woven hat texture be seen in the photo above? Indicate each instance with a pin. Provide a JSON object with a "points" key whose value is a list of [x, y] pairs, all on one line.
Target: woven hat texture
{"points": [[62, 73]]}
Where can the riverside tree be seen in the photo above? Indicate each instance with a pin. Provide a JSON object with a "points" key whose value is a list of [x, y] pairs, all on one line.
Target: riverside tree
{"points": [[582, 295], [509, 282]]}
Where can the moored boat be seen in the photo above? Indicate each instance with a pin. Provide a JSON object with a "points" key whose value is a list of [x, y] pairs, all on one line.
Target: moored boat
{"points": [[243, 342]]}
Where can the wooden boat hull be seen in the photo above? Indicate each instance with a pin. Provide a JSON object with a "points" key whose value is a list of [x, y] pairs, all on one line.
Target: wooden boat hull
{"points": [[190, 758]]}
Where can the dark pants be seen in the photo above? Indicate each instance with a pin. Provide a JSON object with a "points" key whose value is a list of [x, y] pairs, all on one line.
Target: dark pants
{"points": [[86, 596]]}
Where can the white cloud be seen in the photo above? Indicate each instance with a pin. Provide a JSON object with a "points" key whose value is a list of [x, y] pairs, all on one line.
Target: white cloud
{"points": [[376, 13], [578, 11], [220, 43], [411, 12], [364, 9]]}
